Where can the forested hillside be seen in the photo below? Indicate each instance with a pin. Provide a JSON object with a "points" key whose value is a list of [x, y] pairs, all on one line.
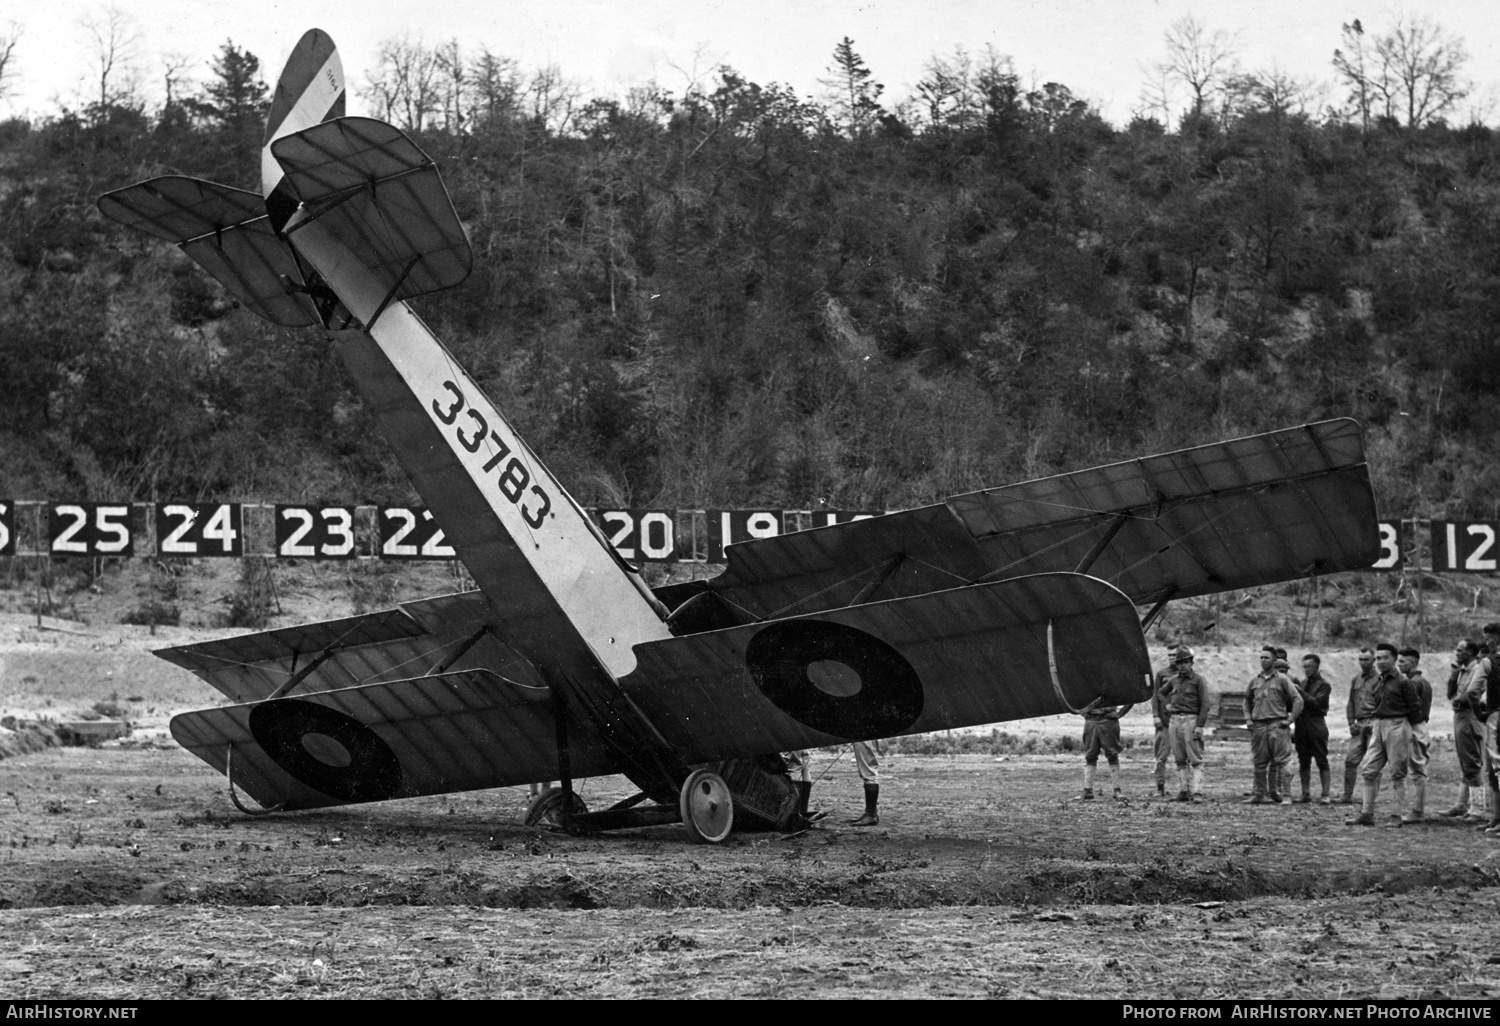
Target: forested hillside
{"points": [[736, 295]]}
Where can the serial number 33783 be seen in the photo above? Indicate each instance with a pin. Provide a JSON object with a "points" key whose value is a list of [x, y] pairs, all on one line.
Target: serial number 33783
{"points": [[513, 479]]}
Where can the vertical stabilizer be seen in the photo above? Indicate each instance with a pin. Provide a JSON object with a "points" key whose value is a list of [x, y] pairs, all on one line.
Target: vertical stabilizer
{"points": [[310, 90]]}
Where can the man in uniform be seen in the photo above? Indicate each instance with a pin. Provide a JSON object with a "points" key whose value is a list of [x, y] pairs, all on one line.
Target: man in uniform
{"points": [[1491, 765], [1421, 742], [1284, 786], [1162, 744], [1310, 732], [1272, 705], [1187, 698], [1394, 706], [1466, 695], [1359, 721], [1101, 733]]}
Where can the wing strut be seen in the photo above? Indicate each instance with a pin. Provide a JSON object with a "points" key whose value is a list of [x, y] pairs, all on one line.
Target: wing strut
{"points": [[1103, 543], [1156, 610], [302, 674]]}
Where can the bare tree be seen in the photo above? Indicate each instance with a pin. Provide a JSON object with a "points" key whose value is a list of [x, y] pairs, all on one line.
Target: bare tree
{"points": [[174, 67], [551, 98], [9, 37], [1410, 75], [1199, 59], [403, 84], [496, 84], [115, 43], [1356, 66], [1421, 66]]}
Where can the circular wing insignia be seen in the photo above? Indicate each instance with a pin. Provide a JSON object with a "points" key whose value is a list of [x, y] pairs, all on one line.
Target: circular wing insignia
{"points": [[326, 750], [835, 678]]}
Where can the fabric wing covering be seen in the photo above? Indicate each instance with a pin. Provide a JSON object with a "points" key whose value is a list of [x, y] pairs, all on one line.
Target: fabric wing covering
{"points": [[226, 232], [955, 658], [485, 722], [446, 732], [1234, 514], [382, 198]]}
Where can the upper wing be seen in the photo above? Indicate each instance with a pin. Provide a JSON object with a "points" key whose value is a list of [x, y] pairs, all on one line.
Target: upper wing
{"points": [[1234, 514], [1028, 646], [382, 198], [226, 232]]}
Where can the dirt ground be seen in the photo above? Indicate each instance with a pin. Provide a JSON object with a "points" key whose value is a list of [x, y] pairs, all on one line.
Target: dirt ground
{"points": [[128, 874]]}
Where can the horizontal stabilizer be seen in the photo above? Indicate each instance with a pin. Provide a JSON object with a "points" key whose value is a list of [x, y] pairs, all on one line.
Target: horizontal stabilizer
{"points": [[426, 735], [177, 209], [226, 232], [1030, 646], [380, 196], [1235, 514]]}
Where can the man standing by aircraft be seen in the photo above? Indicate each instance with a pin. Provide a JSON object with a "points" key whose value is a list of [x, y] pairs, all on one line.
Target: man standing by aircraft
{"points": [[1187, 701], [1101, 733], [1162, 742], [1358, 713], [1394, 706], [1272, 705], [1310, 733], [1466, 696], [1406, 663]]}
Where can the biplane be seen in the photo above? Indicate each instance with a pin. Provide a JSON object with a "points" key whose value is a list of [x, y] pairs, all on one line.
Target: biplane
{"points": [[1011, 602]]}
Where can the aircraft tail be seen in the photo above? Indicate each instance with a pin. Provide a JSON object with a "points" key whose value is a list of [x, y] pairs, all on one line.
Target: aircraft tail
{"points": [[309, 91]]}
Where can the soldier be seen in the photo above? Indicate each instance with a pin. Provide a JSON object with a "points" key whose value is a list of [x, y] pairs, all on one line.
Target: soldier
{"points": [[1284, 788], [1162, 744], [1358, 715], [1394, 706], [1421, 743], [1101, 733], [1492, 729], [1187, 700], [1466, 695], [1310, 732], [1272, 705], [1466, 688]]}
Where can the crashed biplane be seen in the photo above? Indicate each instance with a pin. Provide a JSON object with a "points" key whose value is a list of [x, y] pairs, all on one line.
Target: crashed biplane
{"points": [[997, 605]]}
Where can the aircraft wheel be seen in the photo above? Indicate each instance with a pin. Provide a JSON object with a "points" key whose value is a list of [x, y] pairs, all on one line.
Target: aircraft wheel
{"points": [[706, 806], [547, 808]]}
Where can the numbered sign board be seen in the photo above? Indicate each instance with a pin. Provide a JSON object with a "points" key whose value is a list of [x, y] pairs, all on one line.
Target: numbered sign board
{"points": [[1392, 552], [409, 532], [1465, 546], [830, 517], [90, 529], [7, 527], [315, 532], [640, 535], [199, 529], [728, 526]]}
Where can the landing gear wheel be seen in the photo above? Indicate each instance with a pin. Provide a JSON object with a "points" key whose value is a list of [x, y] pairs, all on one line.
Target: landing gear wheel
{"points": [[706, 806], [547, 808]]}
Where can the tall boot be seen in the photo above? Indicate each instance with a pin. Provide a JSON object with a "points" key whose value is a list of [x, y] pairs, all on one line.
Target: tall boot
{"points": [[872, 799], [1460, 807], [1305, 776], [1258, 789], [1088, 780], [1114, 778], [1493, 801], [1325, 775], [1418, 801], [1182, 783], [1197, 783], [1366, 815], [1351, 777], [1398, 797]]}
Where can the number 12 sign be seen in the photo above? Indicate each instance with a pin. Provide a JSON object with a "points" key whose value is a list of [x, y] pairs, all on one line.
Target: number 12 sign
{"points": [[1464, 546]]}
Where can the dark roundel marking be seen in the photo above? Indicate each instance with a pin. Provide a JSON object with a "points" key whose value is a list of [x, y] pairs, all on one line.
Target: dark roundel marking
{"points": [[835, 678], [327, 750]]}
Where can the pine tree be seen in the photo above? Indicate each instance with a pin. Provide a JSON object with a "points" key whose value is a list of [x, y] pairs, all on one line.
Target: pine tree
{"points": [[237, 95], [855, 94]]}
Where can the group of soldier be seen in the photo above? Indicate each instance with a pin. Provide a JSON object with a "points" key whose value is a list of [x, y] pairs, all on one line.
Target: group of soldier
{"points": [[1388, 709]]}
